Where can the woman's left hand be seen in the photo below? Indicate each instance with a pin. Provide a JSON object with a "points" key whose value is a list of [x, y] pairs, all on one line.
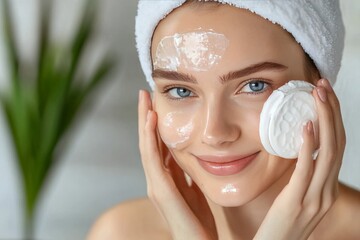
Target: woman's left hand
{"points": [[313, 187]]}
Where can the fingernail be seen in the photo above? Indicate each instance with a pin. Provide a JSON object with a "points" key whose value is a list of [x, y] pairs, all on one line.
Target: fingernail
{"points": [[322, 94], [326, 84]]}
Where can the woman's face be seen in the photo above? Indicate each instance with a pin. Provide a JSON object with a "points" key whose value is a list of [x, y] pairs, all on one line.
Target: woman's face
{"points": [[214, 67]]}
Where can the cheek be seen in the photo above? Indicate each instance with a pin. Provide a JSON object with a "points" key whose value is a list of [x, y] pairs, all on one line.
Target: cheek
{"points": [[248, 116], [175, 128], [253, 121]]}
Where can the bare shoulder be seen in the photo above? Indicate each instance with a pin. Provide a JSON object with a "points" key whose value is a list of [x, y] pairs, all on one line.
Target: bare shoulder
{"points": [[342, 221], [135, 219]]}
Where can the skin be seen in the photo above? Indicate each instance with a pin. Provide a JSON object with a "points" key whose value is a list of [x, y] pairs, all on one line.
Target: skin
{"points": [[225, 121]]}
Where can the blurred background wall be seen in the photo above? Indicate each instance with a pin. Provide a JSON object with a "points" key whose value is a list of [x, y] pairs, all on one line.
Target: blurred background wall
{"points": [[102, 166]]}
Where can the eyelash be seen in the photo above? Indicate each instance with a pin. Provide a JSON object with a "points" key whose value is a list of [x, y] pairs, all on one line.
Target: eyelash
{"points": [[167, 89], [265, 81]]}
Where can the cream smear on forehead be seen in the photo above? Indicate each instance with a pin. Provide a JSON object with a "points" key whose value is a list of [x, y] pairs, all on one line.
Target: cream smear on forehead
{"points": [[197, 51], [176, 130]]}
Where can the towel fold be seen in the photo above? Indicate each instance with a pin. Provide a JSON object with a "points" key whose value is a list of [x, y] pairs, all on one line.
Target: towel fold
{"points": [[315, 24]]}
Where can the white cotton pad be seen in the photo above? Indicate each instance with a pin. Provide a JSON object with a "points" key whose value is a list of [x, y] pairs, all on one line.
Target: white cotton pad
{"points": [[283, 116]]}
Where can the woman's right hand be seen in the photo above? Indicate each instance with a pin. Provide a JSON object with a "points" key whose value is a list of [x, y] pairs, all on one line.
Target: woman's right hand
{"points": [[184, 207], [313, 187]]}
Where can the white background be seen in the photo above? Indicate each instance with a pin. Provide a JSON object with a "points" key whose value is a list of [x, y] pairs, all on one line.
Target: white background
{"points": [[101, 166]]}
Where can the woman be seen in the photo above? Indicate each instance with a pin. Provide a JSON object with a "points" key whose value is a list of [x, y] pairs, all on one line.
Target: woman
{"points": [[213, 66]]}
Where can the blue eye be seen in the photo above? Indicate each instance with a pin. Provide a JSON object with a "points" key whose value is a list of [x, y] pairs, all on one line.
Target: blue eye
{"points": [[255, 87], [179, 92]]}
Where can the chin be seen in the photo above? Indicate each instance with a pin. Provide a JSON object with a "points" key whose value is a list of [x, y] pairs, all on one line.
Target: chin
{"points": [[229, 200], [230, 196]]}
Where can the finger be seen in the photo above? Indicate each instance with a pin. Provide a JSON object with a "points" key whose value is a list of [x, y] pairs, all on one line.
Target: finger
{"points": [[143, 108], [338, 121], [156, 175], [301, 177], [326, 154], [146, 154], [155, 153], [152, 157], [336, 109], [164, 151], [340, 136], [162, 190]]}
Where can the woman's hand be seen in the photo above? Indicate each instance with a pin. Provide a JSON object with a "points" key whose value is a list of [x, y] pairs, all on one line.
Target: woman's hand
{"points": [[184, 207], [313, 187]]}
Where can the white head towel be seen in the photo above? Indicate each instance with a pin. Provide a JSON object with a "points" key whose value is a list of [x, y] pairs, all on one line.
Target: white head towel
{"points": [[316, 24]]}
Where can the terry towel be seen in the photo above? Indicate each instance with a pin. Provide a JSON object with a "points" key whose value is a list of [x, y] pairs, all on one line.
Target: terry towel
{"points": [[316, 25]]}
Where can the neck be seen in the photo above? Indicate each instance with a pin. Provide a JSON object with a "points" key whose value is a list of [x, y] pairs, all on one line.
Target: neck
{"points": [[243, 221]]}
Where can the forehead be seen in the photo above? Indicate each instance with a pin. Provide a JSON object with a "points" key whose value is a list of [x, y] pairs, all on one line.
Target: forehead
{"points": [[249, 34], [222, 17]]}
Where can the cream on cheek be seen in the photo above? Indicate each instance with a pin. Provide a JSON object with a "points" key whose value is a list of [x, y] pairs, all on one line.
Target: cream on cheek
{"points": [[197, 51], [176, 128]]}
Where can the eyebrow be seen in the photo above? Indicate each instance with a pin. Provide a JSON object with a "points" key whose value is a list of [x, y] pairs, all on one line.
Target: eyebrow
{"points": [[173, 75], [258, 67]]}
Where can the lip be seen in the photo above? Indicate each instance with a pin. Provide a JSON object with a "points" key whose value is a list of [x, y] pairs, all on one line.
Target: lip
{"points": [[225, 165]]}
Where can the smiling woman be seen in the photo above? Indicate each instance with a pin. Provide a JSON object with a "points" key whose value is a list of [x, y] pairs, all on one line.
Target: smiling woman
{"points": [[224, 106], [212, 67]]}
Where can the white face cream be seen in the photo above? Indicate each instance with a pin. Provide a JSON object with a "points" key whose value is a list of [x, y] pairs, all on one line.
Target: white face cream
{"points": [[197, 51], [229, 188], [176, 129]]}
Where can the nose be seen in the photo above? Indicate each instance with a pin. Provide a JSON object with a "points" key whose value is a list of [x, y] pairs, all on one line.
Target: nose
{"points": [[220, 126]]}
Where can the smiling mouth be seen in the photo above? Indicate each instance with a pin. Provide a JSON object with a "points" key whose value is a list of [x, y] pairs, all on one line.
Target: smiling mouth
{"points": [[226, 165]]}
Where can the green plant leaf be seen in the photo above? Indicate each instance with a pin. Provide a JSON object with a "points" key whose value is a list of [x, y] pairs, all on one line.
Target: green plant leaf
{"points": [[40, 108], [81, 38], [10, 41], [43, 48]]}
